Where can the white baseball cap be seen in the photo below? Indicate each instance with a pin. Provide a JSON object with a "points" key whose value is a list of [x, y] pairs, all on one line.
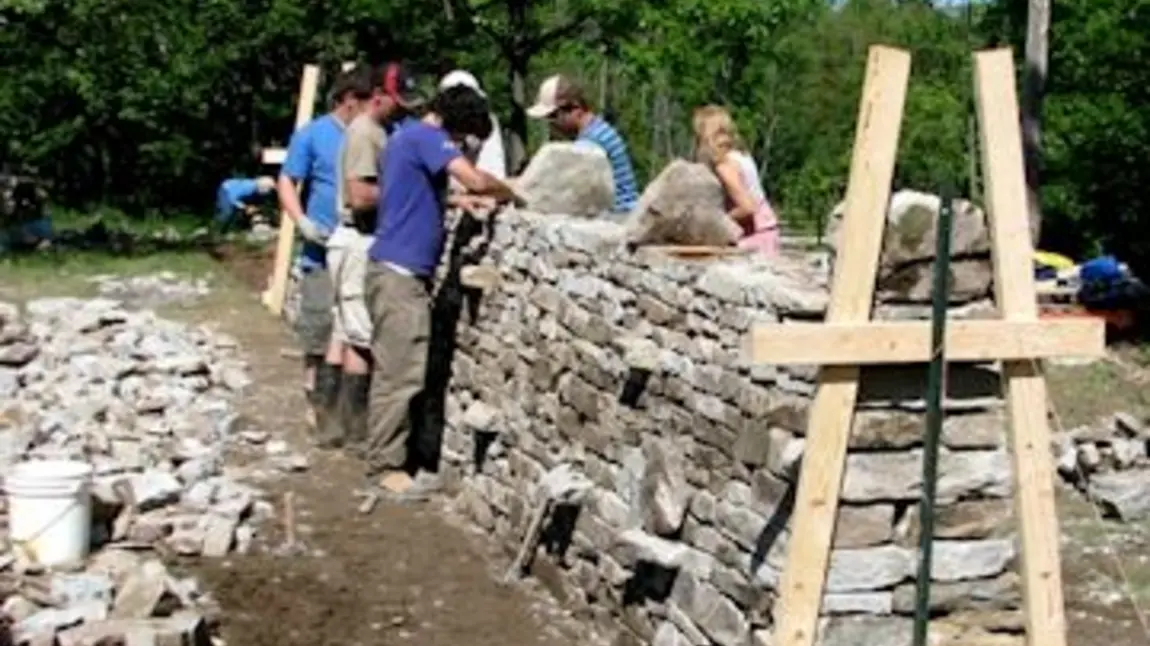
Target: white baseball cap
{"points": [[461, 77], [554, 93]]}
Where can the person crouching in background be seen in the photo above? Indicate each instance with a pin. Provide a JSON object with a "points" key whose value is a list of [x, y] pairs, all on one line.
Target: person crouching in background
{"points": [[717, 144], [240, 195]]}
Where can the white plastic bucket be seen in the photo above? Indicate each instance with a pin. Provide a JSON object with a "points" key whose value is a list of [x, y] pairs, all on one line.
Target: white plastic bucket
{"points": [[50, 511]]}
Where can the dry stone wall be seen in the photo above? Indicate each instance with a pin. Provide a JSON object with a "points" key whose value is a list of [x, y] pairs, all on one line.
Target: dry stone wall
{"points": [[683, 536]]}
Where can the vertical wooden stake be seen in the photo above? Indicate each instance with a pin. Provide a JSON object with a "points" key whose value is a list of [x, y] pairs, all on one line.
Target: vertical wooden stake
{"points": [[856, 267], [1023, 381], [273, 298]]}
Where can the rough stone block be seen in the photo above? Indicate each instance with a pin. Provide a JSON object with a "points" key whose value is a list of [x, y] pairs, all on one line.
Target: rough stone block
{"points": [[641, 546], [862, 570], [141, 592], [853, 631], [965, 519], [1003, 592], [717, 616], [864, 603], [864, 526], [891, 476]]}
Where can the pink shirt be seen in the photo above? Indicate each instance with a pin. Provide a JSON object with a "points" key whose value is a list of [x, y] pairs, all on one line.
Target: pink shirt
{"points": [[761, 232]]}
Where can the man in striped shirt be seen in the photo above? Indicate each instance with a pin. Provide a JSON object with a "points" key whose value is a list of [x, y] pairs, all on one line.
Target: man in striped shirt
{"points": [[565, 108]]}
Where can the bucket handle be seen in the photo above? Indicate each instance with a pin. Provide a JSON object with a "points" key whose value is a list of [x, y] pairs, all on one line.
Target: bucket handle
{"points": [[25, 547]]}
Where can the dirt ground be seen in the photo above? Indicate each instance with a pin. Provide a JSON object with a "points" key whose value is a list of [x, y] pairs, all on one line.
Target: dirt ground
{"points": [[398, 575]]}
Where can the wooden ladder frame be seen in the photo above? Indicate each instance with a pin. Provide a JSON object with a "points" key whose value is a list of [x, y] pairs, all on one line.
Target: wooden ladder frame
{"points": [[849, 339]]}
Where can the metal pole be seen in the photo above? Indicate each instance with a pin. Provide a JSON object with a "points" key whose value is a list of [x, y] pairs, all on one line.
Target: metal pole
{"points": [[936, 386]]}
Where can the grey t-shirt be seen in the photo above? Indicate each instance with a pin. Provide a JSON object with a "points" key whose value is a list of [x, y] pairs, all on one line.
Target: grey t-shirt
{"points": [[362, 143]]}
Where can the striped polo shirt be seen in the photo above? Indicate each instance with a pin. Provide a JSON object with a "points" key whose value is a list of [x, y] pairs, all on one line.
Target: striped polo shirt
{"points": [[600, 132]]}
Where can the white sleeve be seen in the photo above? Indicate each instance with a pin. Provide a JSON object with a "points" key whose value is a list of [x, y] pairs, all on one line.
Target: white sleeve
{"points": [[491, 156]]}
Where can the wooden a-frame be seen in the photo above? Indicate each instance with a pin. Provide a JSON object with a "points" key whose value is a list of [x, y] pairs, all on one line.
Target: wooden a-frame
{"points": [[848, 339]]}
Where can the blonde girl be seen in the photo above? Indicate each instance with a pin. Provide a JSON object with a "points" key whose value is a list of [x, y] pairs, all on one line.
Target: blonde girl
{"points": [[717, 145]]}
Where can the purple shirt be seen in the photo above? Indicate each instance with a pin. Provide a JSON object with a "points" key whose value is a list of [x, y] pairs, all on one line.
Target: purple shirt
{"points": [[409, 229]]}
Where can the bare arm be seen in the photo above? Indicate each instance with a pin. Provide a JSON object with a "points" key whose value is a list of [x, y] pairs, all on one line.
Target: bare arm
{"points": [[288, 192], [468, 201], [480, 182], [744, 204], [361, 194]]}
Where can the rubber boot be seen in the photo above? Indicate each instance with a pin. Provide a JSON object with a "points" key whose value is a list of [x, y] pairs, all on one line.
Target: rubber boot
{"points": [[329, 432], [353, 406]]}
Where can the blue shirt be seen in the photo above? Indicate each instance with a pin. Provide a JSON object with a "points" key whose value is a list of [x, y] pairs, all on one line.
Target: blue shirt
{"points": [[231, 196], [606, 137], [396, 126], [312, 157], [409, 230]]}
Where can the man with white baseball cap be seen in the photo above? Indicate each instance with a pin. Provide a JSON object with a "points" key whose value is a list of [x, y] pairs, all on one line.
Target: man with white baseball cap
{"points": [[563, 105], [487, 156]]}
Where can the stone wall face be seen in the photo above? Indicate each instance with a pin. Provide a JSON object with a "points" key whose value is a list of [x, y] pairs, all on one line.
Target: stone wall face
{"points": [[683, 537]]}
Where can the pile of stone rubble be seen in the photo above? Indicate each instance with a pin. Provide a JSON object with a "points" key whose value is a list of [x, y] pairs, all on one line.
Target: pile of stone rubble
{"points": [[149, 404], [152, 290], [1110, 461]]}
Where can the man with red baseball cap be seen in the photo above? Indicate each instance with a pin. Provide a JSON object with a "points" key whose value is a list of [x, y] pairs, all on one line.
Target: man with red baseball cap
{"points": [[392, 106]]}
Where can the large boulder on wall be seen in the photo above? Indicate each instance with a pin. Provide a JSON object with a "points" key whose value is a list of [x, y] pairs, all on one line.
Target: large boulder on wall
{"points": [[684, 205], [566, 178], [906, 263]]}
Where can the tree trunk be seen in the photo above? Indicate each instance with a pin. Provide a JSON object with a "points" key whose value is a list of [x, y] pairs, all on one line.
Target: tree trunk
{"points": [[517, 126], [1033, 90], [519, 61]]}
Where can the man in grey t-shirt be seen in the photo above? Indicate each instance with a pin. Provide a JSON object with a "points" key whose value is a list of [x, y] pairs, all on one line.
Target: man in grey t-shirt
{"points": [[356, 195]]}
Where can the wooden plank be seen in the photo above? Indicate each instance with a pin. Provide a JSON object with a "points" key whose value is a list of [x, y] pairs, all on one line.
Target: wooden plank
{"points": [[697, 251], [273, 298], [1023, 381], [273, 156], [884, 342], [276, 156], [868, 193]]}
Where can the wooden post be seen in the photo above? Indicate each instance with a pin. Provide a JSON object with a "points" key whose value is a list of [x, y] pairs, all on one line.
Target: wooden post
{"points": [[868, 192], [1023, 380], [273, 298], [848, 339]]}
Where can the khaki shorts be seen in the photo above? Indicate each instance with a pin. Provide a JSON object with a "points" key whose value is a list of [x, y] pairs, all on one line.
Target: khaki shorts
{"points": [[347, 264], [313, 324]]}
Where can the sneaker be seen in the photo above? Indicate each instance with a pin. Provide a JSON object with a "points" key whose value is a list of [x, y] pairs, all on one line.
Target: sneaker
{"points": [[401, 487], [395, 482], [427, 483]]}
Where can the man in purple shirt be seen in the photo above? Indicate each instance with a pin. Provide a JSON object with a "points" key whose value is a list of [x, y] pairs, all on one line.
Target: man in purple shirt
{"points": [[409, 240]]}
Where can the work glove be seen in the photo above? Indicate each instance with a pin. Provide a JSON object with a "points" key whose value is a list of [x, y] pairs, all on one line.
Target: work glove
{"points": [[313, 231]]}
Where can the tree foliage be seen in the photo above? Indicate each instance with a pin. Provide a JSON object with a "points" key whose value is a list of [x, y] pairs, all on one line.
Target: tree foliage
{"points": [[146, 105]]}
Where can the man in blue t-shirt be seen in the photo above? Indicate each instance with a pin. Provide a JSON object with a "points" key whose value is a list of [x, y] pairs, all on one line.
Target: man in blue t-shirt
{"points": [[239, 194], [563, 105], [312, 159], [409, 238]]}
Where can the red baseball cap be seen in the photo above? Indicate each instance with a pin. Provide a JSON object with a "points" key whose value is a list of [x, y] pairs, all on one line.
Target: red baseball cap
{"points": [[399, 83]]}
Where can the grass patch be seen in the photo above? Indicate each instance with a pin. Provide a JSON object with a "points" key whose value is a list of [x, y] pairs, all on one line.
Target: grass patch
{"points": [[116, 220], [1086, 393], [58, 273]]}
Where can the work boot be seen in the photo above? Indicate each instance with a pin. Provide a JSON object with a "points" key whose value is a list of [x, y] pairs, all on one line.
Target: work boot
{"points": [[353, 405], [325, 395]]}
